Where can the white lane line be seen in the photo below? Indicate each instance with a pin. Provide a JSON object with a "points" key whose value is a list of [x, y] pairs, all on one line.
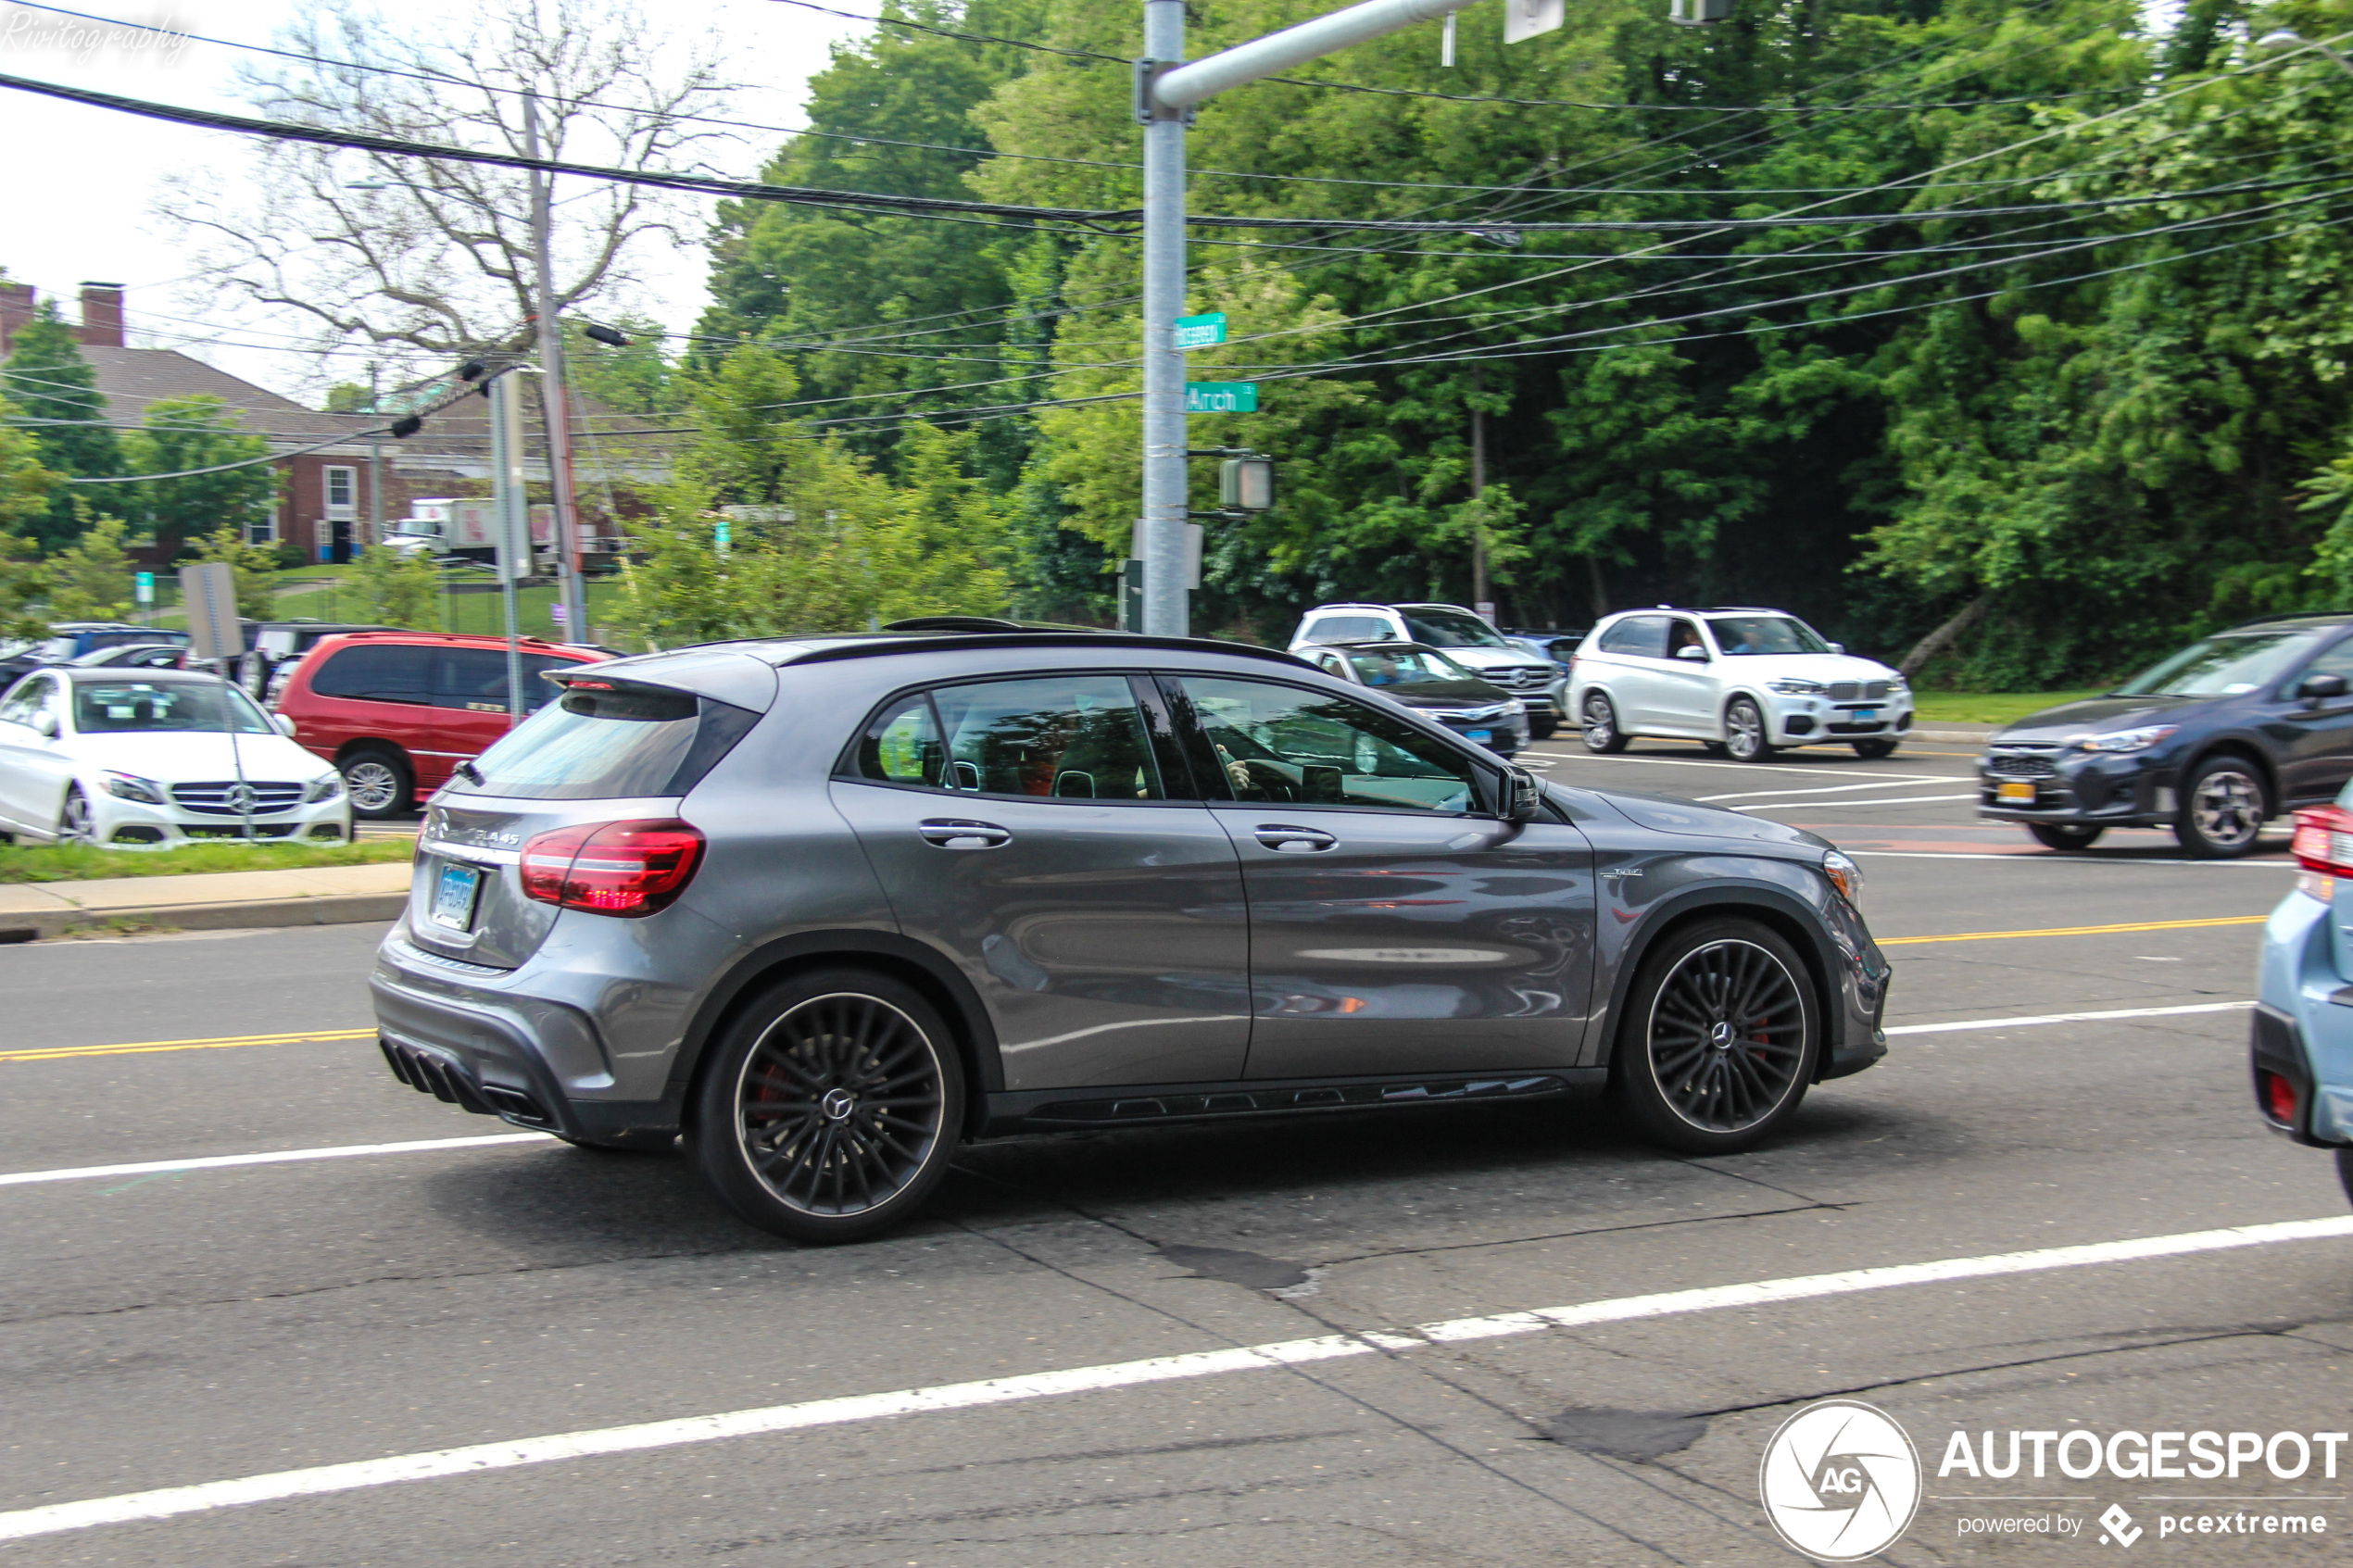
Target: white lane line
{"points": [[1769, 767], [2066, 1018], [169, 1501], [216, 1162], [2030, 857], [1843, 804], [1826, 789]]}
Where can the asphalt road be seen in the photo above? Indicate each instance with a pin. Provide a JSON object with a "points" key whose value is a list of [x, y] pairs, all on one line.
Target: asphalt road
{"points": [[189, 1328]]}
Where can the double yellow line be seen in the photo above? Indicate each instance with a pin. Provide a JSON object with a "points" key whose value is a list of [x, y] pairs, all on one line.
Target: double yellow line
{"points": [[61, 1053], [2076, 930]]}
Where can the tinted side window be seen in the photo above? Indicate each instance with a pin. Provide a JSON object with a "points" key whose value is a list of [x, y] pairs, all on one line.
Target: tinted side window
{"points": [[2338, 661], [474, 679], [1286, 747], [381, 674], [1074, 737], [902, 746], [1644, 636]]}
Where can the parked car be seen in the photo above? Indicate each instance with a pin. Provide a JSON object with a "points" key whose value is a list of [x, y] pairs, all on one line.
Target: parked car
{"points": [[1464, 638], [1558, 646], [1745, 681], [834, 905], [134, 656], [273, 645], [69, 640], [399, 711], [153, 759], [2300, 1045], [1429, 683], [2211, 743]]}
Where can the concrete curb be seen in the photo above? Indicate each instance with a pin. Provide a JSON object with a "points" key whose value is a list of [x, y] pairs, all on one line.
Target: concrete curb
{"points": [[329, 909], [1973, 737]]}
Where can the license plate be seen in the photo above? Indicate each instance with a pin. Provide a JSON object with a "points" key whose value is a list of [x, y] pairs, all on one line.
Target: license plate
{"points": [[2022, 793], [454, 896], [1481, 735], [1863, 716]]}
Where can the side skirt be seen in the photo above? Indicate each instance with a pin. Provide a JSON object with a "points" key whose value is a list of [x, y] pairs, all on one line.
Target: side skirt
{"points": [[1043, 1110]]}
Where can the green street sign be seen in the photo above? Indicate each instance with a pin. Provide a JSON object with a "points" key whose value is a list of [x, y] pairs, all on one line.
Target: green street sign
{"points": [[1221, 397], [144, 586], [1200, 331]]}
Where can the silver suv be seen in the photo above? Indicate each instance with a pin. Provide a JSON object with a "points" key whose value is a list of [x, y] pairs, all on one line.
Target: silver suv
{"points": [[1468, 640], [832, 906]]}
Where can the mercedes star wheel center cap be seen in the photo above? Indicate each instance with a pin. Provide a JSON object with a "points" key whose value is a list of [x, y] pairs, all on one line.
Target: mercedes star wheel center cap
{"points": [[837, 1105], [1720, 1036]]}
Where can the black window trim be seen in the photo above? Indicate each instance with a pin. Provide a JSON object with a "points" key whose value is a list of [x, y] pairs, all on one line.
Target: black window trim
{"points": [[1140, 683]]}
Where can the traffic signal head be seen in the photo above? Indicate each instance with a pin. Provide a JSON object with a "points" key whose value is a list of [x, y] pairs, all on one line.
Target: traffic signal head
{"points": [[1246, 484]]}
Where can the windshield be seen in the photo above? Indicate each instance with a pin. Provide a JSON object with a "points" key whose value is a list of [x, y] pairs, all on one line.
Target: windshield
{"points": [[103, 707], [1764, 633], [1452, 629], [1405, 667], [2223, 666]]}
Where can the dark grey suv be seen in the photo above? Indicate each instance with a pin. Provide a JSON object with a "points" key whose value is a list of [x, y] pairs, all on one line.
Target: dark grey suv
{"points": [[831, 905]]}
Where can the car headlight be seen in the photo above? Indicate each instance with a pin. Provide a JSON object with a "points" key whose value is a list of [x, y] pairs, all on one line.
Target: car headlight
{"points": [[327, 787], [2128, 740], [1792, 685], [1845, 875], [131, 786]]}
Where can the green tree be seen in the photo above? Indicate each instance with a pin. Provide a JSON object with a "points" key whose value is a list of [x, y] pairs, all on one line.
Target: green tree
{"points": [[26, 483], [90, 579], [399, 589], [252, 567], [632, 379], [55, 392], [24, 585], [183, 434]]}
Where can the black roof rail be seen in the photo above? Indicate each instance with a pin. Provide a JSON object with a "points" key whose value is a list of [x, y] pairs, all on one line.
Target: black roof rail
{"points": [[871, 644]]}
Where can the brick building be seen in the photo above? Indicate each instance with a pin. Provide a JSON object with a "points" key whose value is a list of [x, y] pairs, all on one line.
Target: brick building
{"points": [[326, 499]]}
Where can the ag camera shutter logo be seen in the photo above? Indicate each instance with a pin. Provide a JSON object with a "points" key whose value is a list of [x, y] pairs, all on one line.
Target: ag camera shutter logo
{"points": [[1841, 1481]]}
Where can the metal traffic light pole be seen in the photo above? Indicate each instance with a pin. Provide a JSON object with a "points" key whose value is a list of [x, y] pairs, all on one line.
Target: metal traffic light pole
{"points": [[1167, 90]]}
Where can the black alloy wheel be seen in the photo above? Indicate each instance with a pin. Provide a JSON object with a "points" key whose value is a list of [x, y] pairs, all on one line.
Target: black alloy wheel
{"points": [[1744, 732], [75, 824], [1720, 1038], [1874, 749], [833, 1108], [378, 781], [1543, 729], [1603, 737], [2064, 836], [2223, 809]]}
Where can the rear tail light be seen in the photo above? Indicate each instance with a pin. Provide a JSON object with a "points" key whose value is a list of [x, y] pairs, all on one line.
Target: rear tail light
{"points": [[2279, 1099], [612, 868], [2324, 839]]}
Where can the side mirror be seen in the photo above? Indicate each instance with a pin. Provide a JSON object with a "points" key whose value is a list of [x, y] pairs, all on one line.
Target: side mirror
{"points": [[2319, 686], [1693, 652], [1523, 797], [45, 724], [1838, 647], [285, 725]]}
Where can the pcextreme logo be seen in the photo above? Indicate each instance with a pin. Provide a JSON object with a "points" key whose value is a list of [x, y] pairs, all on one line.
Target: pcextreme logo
{"points": [[1840, 1481]]}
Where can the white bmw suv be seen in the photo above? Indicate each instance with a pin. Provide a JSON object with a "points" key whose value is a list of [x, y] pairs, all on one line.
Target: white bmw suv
{"points": [[1466, 639], [1745, 681]]}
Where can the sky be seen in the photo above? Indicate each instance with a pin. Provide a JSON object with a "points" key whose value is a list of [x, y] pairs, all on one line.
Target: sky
{"points": [[81, 180]]}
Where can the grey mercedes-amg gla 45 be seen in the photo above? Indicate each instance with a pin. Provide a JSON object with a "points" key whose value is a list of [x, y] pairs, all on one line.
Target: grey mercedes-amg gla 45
{"points": [[831, 905]]}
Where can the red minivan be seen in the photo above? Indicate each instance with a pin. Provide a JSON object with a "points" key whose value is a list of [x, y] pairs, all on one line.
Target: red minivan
{"points": [[396, 711]]}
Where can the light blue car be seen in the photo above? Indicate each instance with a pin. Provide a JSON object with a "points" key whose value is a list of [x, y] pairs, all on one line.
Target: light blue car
{"points": [[2301, 1046]]}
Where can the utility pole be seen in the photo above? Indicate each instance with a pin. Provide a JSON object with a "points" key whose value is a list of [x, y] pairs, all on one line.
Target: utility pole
{"points": [[511, 502], [375, 471], [1479, 602], [1167, 91], [554, 403]]}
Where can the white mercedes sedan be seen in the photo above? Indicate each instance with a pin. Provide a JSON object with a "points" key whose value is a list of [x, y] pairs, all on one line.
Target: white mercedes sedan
{"points": [[154, 758]]}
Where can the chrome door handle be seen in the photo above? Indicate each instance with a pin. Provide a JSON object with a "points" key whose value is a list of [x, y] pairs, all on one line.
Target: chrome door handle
{"points": [[950, 832], [1292, 840]]}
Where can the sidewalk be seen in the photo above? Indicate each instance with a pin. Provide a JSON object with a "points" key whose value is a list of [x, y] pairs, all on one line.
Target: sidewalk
{"points": [[208, 902]]}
